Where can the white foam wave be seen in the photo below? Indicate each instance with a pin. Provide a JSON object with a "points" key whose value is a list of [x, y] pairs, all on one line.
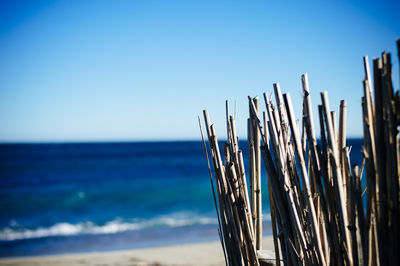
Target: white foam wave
{"points": [[111, 227]]}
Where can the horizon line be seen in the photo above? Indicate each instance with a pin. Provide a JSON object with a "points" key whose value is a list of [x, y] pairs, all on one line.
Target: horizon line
{"points": [[122, 141]]}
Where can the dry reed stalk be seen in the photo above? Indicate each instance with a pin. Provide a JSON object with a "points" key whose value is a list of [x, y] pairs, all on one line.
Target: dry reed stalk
{"points": [[330, 196], [283, 176], [334, 126], [245, 192], [353, 215], [389, 187], [228, 126], [337, 177], [244, 216], [242, 235], [342, 143], [289, 257], [213, 192], [370, 175], [379, 134], [305, 180], [317, 209], [251, 157], [360, 215], [257, 176], [238, 207], [314, 158], [278, 195], [217, 179], [282, 126], [271, 197], [282, 114], [225, 197]]}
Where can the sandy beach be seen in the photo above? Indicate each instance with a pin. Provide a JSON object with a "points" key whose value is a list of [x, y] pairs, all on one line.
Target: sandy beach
{"points": [[209, 253]]}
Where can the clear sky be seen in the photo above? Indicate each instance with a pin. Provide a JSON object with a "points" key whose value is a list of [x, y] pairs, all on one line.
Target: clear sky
{"points": [[144, 70]]}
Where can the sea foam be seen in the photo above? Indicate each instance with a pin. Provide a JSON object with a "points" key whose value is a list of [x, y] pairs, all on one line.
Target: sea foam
{"points": [[111, 227]]}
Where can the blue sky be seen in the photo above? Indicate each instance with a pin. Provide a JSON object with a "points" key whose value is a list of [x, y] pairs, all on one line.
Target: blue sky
{"points": [[144, 70]]}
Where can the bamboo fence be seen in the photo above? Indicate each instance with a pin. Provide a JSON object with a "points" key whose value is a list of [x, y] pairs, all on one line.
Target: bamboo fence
{"points": [[321, 214]]}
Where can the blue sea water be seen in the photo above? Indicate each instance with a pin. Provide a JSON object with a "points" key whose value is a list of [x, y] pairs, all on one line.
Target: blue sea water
{"points": [[79, 197]]}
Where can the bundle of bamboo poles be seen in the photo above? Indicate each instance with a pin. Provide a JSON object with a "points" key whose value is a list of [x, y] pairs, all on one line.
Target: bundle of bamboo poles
{"points": [[236, 223], [320, 212]]}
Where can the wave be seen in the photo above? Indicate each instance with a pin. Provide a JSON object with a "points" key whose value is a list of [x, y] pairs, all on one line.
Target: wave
{"points": [[111, 227]]}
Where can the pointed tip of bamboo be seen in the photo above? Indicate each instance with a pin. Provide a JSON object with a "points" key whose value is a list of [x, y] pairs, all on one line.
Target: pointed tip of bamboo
{"points": [[398, 47], [304, 82], [265, 97], [286, 95]]}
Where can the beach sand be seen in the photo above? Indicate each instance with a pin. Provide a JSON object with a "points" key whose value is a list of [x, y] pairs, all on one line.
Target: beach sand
{"points": [[209, 253]]}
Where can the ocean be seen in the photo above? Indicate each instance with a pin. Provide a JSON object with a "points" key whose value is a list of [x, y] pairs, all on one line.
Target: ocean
{"points": [[83, 197]]}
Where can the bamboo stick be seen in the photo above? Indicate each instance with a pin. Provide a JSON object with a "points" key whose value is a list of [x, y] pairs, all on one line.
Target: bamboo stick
{"points": [[276, 196], [213, 192], [252, 173], [329, 192], [257, 177], [304, 177], [228, 126], [282, 113], [271, 200], [230, 232], [317, 211], [398, 55], [342, 140], [295, 219], [360, 216], [217, 178], [282, 176], [337, 177], [334, 126], [378, 130], [246, 196], [314, 158], [389, 186], [244, 235], [353, 215]]}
